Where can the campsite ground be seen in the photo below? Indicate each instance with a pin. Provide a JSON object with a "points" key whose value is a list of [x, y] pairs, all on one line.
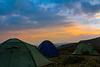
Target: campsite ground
{"points": [[68, 60], [83, 61]]}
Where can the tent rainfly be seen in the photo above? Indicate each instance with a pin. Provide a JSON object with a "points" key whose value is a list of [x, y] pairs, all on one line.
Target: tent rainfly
{"points": [[85, 49], [48, 49], [16, 53]]}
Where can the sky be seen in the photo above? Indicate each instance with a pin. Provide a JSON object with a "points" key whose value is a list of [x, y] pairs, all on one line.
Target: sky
{"points": [[60, 21]]}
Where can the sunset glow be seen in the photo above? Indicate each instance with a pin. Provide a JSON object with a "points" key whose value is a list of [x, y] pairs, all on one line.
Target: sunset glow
{"points": [[59, 21]]}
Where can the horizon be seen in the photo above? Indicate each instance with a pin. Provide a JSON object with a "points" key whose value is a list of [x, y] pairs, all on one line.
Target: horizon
{"points": [[60, 21], [56, 43]]}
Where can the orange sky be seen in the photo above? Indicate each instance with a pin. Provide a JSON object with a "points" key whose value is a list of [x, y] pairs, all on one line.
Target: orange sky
{"points": [[57, 34], [60, 21]]}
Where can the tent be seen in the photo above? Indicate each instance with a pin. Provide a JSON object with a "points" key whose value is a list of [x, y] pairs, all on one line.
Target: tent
{"points": [[16, 53], [85, 49], [48, 49]]}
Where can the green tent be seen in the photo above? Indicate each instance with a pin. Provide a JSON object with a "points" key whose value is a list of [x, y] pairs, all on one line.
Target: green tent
{"points": [[16, 53], [85, 49]]}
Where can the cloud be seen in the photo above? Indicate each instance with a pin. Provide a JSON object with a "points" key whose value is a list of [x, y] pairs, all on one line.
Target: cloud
{"points": [[87, 7], [20, 22], [29, 14], [60, 33], [93, 2]]}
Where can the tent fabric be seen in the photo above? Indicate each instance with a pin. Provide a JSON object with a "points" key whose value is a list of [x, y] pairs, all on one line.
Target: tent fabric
{"points": [[39, 59], [48, 49], [16, 53], [85, 49]]}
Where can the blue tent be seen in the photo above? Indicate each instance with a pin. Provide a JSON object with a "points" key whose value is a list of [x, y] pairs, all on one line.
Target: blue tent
{"points": [[48, 49]]}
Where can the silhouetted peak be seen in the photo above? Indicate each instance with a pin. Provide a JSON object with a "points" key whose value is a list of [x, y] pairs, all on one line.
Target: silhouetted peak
{"points": [[94, 40]]}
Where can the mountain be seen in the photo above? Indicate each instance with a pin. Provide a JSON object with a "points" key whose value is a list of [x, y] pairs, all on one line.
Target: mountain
{"points": [[67, 48], [95, 42]]}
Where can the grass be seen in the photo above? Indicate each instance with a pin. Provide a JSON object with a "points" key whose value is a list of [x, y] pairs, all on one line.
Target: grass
{"points": [[84, 61], [66, 59]]}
